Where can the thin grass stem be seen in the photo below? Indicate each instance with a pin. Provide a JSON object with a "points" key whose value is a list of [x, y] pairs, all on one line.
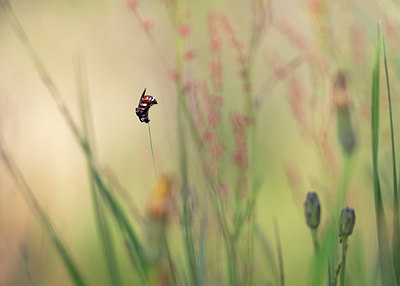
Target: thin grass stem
{"points": [[98, 208], [396, 189], [314, 235], [386, 265], [41, 216], [279, 251], [152, 152], [343, 265]]}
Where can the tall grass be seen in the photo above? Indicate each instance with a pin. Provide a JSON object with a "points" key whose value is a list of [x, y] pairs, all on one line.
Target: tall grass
{"points": [[220, 201], [14, 171], [385, 262]]}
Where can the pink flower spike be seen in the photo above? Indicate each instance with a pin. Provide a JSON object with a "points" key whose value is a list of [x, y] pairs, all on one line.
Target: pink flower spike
{"points": [[147, 25], [169, 2], [215, 66], [189, 55], [208, 136], [184, 30], [132, 4], [174, 75]]}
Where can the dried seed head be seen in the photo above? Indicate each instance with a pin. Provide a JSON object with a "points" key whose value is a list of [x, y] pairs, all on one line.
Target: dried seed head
{"points": [[312, 210], [347, 221]]}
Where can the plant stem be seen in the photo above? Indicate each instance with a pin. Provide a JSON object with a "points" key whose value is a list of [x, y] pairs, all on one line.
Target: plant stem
{"points": [[152, 152], [315, 240], [279, 251], [343, 267], [39, 214], [344, 181], [101, 221]]}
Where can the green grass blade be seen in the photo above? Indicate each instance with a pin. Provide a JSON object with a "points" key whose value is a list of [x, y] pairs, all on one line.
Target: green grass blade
{"points": [[135, 248], [386, 266], [122, 219], [186, 213], [171, 264], [40, 68], [279, 252], [324, 255], [99, 212], [267, 251], [42, 217], [396, 219], [24, 254], [202, 249]]}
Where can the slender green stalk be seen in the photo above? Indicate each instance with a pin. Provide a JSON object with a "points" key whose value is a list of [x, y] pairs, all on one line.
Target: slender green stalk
{"points": [[98, 208], [171, 265], [314, 235], [152, 152], [396, 201], [202, 249], [386, 266], [324, 255], [40, 68], [343, 267], [194, 130], [344, 181], [24, 253], [134, 246], [279, 251], [267, 248], [187, 220], [41, 216], [186, 215]]}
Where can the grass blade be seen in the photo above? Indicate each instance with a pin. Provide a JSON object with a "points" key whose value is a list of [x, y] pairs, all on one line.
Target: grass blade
{"points": [[40, 68], [279, 251], [99, 212], [386, 266], [396, 219], [135, 247], [324, 255], [186, 212], [42, 217], [267, 251], [202, 249], [122, 219], [171, 264]]}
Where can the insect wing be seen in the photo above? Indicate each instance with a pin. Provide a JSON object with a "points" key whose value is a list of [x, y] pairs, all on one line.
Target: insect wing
{"points": [[143, 94]]}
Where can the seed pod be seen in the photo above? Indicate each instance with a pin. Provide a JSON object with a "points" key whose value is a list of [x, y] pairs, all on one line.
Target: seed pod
{"points": [[312, 210], [347, 221], [341, 100]]}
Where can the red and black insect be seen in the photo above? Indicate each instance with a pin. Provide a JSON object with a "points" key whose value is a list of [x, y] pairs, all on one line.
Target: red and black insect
{"points": [[145, 102]]}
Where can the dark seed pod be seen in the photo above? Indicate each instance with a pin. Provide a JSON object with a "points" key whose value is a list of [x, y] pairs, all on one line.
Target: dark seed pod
{"points": [[312, 210], [346, 223]]}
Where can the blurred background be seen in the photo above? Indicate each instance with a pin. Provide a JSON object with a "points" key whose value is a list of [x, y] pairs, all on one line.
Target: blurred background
{"points": [[301, 47]]}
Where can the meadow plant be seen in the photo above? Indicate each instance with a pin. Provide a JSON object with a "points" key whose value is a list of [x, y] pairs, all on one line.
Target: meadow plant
{"points": [[211, 202]]}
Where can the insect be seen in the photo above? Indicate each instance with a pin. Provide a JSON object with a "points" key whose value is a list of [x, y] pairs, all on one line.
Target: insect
{"points": [[145, 102]]}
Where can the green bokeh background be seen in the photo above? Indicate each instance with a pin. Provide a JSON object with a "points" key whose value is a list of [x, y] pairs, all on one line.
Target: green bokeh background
{"points": [[120, 62]]}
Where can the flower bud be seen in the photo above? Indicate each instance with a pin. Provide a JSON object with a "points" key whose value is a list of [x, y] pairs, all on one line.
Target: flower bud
{"points": [[341, 100], [346, 223], [159, 202], [312, 210]]}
